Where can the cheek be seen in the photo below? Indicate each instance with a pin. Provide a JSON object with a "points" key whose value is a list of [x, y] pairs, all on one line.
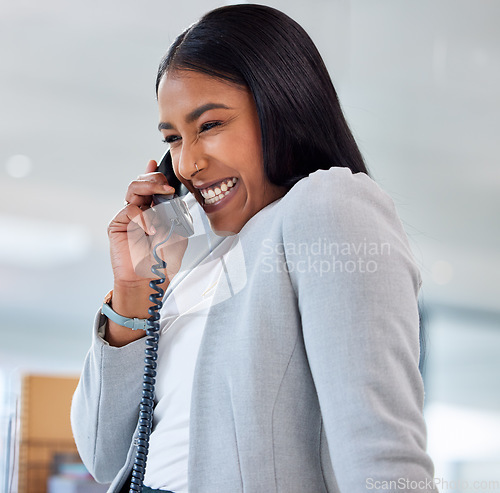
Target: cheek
{"points": [[240, 145], [231, 144]]}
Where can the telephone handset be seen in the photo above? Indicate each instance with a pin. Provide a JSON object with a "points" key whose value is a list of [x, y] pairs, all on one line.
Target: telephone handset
{"points": [[174, 210], [174, 214]]}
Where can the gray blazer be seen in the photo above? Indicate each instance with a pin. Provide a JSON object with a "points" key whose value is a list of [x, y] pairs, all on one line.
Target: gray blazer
{"points": [[307, 376]]}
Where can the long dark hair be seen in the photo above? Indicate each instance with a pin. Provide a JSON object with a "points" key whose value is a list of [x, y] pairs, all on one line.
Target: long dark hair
{"points": [[302, 124]]}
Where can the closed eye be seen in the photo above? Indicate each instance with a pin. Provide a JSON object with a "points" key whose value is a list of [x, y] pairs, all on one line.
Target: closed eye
{"points": [[170, 139], [209, 125]]}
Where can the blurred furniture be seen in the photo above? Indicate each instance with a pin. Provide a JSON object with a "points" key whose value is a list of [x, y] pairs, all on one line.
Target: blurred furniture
{"points": [[69, 475], [45, 431]]}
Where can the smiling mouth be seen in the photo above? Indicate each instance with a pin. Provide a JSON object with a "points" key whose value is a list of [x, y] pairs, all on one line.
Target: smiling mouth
{"points": [[217, 191]]}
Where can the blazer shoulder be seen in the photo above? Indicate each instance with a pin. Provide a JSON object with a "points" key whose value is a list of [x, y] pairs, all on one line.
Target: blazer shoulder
{"points": [[336, 190]]}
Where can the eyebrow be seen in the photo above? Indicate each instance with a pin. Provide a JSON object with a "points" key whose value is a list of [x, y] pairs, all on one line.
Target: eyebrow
{"points": [[195, 114]]}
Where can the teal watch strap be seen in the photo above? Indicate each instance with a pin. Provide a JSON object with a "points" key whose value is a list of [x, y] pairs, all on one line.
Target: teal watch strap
{"points": [[131, 323]]}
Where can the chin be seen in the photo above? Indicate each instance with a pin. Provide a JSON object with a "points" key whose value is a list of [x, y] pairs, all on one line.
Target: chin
{"points": [[223, 226], [221, 231]]}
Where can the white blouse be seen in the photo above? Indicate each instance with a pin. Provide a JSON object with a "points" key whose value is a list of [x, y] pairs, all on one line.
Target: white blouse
{"points": [[182, 323]]}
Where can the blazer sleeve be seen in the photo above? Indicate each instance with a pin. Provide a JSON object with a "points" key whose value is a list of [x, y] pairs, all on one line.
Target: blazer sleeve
{"points": [[357, 285], [105, 406]]}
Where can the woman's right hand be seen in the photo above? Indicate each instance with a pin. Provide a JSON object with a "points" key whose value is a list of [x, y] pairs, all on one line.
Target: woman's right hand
{"points": [[132, 232]]}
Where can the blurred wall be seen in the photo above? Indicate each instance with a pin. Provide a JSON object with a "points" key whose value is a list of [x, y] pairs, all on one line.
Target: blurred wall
{"points": [[419, 84]]}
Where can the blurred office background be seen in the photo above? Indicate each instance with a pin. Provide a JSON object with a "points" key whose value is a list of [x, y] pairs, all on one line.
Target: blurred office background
{"points": [[419, 83]]}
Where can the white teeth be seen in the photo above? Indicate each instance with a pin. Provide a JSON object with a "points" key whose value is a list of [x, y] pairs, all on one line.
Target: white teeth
{"points": [[214, 195]]}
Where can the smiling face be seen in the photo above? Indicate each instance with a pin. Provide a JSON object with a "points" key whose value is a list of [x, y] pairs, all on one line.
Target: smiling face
{"points": [[214, 124]]}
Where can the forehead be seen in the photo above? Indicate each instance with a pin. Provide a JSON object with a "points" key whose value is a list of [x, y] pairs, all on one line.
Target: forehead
{"points": [[183, 91]]}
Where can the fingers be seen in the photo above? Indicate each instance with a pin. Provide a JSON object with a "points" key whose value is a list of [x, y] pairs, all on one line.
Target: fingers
{"points": [[132, 215], [139, 191], [152, 166], [152, 182]]}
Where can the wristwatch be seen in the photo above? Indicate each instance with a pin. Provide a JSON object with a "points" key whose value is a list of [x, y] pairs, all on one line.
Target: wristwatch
{"points": [[130, 323]]}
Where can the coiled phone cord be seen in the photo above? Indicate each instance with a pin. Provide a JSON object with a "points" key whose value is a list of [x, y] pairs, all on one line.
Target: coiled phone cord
{"points": [[149, 379]]}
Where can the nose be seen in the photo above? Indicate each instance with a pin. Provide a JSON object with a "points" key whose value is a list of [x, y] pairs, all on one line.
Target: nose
{"points": [[187, 166]]}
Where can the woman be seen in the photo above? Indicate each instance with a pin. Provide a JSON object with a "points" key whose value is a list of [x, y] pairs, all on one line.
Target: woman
{"points": [[301, 372]]}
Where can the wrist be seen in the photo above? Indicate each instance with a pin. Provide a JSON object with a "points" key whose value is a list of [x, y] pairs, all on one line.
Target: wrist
{"points": [[114, 317], [127, 301], [131, 299]]}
